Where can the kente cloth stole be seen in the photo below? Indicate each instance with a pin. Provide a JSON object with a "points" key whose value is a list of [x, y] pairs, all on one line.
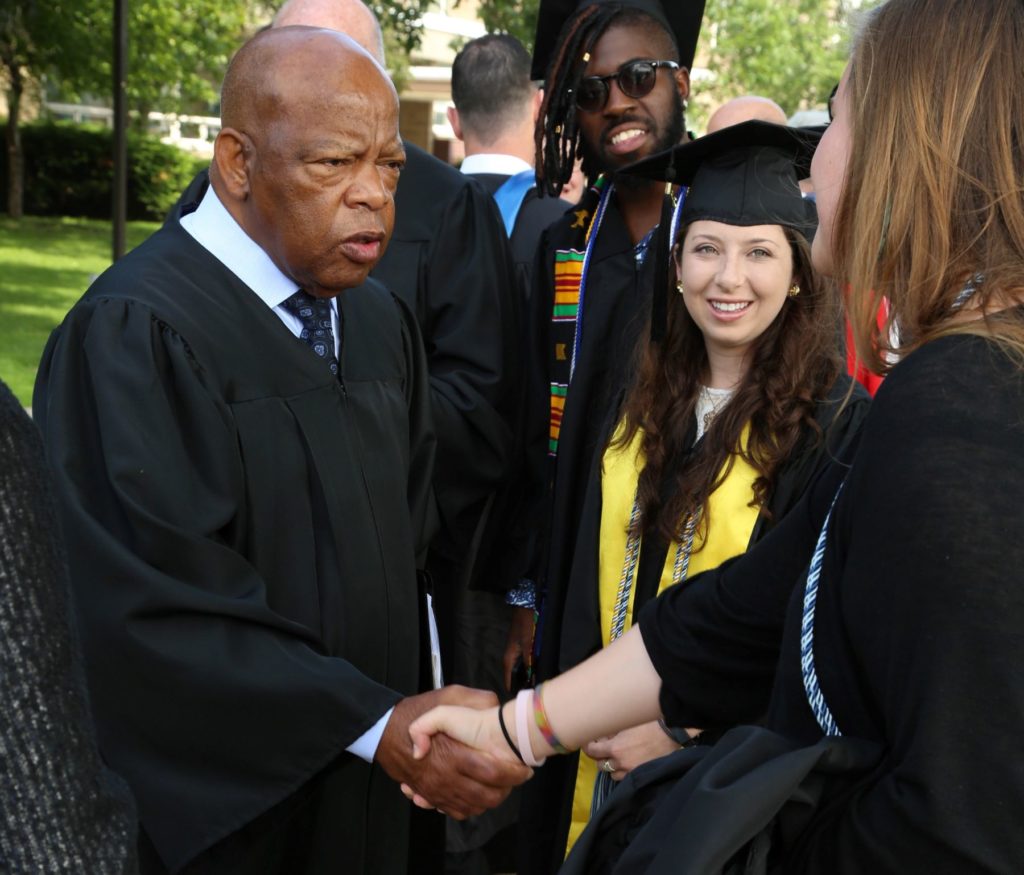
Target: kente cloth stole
{"points": [[569, 284]]}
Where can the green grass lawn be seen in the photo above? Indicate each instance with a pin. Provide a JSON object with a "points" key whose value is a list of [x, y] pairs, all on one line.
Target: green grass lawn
{"points": [[45, 266]]}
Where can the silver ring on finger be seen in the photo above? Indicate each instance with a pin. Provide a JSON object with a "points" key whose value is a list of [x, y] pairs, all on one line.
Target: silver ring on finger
{"points": [[608, 767]]}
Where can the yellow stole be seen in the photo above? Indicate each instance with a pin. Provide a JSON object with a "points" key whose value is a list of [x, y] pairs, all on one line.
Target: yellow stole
{"points": [[730, 523]]}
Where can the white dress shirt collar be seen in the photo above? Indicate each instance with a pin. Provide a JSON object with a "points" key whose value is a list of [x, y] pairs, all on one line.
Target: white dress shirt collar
{"points": [[504, 165], [216, 230]]}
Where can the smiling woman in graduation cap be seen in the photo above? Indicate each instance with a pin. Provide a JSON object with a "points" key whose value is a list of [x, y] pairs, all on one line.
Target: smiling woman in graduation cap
{"points": [[733, 410]]}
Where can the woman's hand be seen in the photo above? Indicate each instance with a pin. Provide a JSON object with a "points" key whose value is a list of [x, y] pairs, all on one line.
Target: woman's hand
{"points": [[476, 728], [630, 748]]}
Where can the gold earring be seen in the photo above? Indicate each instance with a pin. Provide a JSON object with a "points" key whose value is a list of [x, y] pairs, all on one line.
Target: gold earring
{"points": [[679, 287], [794, 290]]}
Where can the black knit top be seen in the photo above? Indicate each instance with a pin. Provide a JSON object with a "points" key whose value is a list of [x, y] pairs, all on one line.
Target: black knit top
{"points": [[60, 809]]}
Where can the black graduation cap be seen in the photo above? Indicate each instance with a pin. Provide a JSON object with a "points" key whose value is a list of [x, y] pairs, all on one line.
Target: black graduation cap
{"points": [[747, 174], [680, 17]]}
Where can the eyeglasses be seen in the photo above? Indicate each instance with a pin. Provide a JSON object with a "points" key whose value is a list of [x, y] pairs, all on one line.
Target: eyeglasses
{"points": [[831, 98], [636, 79]]}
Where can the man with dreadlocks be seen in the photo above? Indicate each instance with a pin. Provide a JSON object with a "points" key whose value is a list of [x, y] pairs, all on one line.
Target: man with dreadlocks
{"points": [[615, 91]]}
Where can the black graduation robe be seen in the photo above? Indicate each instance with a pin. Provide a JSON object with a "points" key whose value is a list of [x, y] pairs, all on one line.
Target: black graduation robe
{"points": [[449, 261], [241, 528], [917, 630], [839, 416], [497, 566], [533, 218], [615, 309]]}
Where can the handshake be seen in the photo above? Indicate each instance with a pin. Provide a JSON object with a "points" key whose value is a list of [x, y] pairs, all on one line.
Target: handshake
{"points": [[451, 758]]}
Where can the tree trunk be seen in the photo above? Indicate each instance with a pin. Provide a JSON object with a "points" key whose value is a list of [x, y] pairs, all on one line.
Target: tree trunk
{"points": [[15, 157]]}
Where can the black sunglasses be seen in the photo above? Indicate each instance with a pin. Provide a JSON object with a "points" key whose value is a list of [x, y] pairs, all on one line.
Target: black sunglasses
{"points": [[832, 97], [636, 79]]}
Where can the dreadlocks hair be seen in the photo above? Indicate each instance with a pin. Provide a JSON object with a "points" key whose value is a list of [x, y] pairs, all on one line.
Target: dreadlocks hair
{"points": [[557, 134]]}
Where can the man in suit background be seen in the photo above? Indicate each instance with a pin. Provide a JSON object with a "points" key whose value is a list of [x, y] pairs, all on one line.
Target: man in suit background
{"points": [[496, 105]]}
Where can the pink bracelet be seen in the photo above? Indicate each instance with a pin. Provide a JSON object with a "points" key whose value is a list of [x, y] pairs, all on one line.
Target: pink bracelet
{"points": [[523, 706]]}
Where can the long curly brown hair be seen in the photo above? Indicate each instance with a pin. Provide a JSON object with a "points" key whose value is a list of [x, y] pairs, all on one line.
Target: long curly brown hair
{"points": [[793, 365]]}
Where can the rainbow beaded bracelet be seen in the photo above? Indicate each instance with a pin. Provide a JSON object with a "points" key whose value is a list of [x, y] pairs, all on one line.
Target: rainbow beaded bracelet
{"points": [[543, 724]]}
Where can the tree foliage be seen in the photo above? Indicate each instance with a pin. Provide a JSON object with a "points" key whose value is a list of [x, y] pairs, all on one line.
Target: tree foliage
{"points": [[400, 21], [515, 17], [792, 51], [36, 37], [177, 51]]}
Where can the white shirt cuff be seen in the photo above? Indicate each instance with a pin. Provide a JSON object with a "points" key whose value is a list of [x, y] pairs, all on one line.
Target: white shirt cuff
{"points": [[365, 747]]}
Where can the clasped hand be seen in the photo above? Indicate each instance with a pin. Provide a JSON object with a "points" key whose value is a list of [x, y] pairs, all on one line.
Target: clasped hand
{"points": [[447, 771]]}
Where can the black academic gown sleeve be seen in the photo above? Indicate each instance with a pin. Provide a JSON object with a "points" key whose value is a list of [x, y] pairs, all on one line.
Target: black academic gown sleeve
{"points": [[917, 630], [715, 639], [240, 527], [516, 549], [449, 261]]}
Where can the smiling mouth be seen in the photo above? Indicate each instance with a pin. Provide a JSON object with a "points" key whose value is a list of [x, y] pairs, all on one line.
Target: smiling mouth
{"points": [[729, 306], [623, 136]]}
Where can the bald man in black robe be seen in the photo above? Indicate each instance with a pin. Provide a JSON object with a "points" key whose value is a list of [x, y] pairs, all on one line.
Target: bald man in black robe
{"points": [[238, 426]]}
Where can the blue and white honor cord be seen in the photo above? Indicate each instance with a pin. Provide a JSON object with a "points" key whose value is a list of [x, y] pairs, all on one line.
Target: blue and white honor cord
{"points": [[815, 697]]}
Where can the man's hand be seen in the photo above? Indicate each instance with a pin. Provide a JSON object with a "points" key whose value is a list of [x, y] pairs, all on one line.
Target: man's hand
{"points": [[454, 778], [519, 645], [630, 748]]}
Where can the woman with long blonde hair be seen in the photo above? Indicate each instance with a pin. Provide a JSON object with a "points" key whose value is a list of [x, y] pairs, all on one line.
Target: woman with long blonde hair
{"points": [[885, 613]]}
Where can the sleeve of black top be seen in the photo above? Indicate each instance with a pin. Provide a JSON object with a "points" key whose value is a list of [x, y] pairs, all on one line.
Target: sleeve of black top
{"points": [[715, 639], [470, 331], [933, 609], [57, 801]]}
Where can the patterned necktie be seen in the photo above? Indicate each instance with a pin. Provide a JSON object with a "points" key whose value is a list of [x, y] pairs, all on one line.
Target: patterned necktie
{"points": [[315, 315]]}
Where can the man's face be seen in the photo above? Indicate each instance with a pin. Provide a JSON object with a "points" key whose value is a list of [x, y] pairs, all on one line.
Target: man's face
{"points": [[628, 128], [322, 177]]}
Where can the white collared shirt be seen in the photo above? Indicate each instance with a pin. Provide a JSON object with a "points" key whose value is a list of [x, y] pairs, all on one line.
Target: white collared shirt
{"points": [[216, 230], [503, 165]]}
